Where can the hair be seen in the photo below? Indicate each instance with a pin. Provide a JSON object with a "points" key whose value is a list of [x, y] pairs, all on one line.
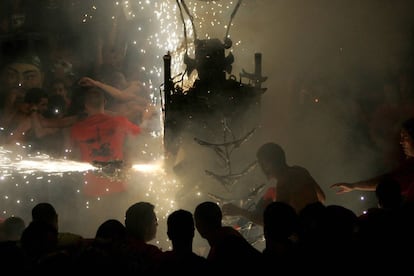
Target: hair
{"points": [[137, 217], [209, 213], [408, 125], [25, 58], [34, 95], [280, 220], [180, 225], [44, 212], [13, 227], [111, 229], [271, 153]]}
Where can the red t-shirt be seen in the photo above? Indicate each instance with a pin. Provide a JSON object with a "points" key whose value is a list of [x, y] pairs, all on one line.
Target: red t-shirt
{"points": [[101, 138]]}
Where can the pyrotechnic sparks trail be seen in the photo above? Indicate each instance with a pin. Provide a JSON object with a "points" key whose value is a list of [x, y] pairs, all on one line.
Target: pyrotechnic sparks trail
{"points": [[157, 30], [147, 168], [10, 162]]}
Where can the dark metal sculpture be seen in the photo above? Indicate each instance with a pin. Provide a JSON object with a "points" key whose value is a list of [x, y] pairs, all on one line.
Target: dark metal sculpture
{"points": [[218, 105]]}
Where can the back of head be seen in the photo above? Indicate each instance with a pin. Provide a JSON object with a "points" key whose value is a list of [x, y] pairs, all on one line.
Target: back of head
{"points": [[45, 212], [340, 222], [13, 228], [270, 156], [34, 95], [180, 225], [39, 238], [138, 218], [111, 230], [280, 220], [207, 216]]}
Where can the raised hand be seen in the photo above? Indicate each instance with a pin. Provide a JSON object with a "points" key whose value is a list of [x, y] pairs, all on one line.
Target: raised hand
{"points": [[343, 187]]}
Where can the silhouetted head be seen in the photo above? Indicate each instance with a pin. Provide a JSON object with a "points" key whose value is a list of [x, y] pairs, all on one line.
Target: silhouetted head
{"points": [[111, 230], [271, 158], [141, 221], [13, 228], [45, 212], [280, 221], [207, 217], [180, 225]]}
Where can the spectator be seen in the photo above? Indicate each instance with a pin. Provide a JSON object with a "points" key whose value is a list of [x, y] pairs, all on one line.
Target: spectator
{"points": [[294, 184], [141, 225], [181, 259], [229, 251], [403, 174]]}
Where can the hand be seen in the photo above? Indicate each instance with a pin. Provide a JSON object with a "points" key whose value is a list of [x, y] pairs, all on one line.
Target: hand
{"points": [[87, 82], [148, 112], [343, 187]]}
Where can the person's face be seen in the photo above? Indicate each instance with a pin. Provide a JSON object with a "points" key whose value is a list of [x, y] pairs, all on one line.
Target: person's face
{"points": [[59, 89], [22, 75], [407, 143], [152, 232], [42, 106], [266, 169], [14, 96]]}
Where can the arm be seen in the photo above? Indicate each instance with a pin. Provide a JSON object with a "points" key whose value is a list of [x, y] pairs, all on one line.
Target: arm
{"points": [[23, 126], [57, 122], [364, 185], [120, 95], [39, 130], [255, 216]]}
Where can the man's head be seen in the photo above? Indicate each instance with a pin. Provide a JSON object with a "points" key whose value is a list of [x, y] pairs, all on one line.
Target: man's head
{"points": [[23, 71], [180, 226], [45, 212], [271, 158], [141, 221], [37, 97], [207, 217], [94, 101], [58, 87], [407, 137]]}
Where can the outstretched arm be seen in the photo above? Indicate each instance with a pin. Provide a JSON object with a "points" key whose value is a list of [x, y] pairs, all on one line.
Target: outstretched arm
{"points": [[364, 185], [121, 95], [255, 216]]}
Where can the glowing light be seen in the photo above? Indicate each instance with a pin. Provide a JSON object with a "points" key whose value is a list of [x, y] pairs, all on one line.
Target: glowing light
{"points": [[147, 168], [28, 166]]}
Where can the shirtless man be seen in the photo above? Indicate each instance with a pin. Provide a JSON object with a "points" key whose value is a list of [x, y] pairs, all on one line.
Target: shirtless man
{"points": [[293, 185]]}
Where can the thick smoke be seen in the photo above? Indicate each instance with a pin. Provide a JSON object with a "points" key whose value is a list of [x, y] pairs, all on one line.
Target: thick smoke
{"points": [[326, 64]]}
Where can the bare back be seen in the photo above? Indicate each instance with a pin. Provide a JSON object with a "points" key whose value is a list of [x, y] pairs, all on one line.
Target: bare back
{"points": [[297, 188]]}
